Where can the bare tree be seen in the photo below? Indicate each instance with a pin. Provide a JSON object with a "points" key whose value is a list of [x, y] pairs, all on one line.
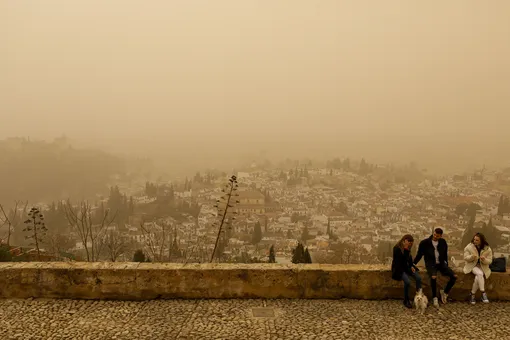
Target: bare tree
{"points": [[174, 253], [340, 253], [14, 220], [116, 245], [199, 252], [92, 233], [224, 204], [171, 234], [59, 243], [4, 221], [155, 239]]}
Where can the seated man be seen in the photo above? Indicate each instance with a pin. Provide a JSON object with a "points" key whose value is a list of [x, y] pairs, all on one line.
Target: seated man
{"points": [[434, 250]]}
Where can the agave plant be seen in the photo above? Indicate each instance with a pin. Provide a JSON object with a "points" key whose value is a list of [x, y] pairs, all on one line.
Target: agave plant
{"points": [[36, 228], [224, 206]]}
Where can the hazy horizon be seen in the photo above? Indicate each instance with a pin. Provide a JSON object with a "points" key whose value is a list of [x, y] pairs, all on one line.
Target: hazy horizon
{"points": [[181, 80]]}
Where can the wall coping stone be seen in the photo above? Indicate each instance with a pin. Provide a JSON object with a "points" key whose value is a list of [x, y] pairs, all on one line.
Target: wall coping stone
{"points": [[145, 281]]}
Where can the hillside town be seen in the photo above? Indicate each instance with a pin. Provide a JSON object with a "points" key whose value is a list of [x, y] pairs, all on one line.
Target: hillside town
{"points": [[335, 214]]}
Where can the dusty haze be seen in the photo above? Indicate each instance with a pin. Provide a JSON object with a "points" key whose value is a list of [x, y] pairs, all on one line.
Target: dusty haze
{"points": [[388, 80]]}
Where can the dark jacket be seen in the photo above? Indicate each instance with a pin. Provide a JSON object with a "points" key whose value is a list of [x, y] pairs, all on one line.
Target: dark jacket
{"points": [[402, 263], [426, 250]]}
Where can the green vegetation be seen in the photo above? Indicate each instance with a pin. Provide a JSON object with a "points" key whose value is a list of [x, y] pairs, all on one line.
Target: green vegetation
{"points": [[301, 255], [5, 255], [36, 229], [272, 256], [492, 235], [504, 205], [467, 209], [139, 256], [257, 233]]}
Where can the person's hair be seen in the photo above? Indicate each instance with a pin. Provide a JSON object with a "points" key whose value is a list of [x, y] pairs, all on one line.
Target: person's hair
{"points": [[438, 231], [483, 240], [400, 243]]}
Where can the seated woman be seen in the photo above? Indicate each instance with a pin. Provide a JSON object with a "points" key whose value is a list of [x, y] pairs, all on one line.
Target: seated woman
{"points": [[478, 257], [402, 267]]}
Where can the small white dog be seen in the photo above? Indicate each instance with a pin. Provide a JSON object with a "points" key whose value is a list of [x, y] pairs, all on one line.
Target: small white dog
{"points": [[420, 301]]}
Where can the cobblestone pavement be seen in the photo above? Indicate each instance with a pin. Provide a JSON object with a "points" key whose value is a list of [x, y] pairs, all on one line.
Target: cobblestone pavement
{"points": [[243, 319]]}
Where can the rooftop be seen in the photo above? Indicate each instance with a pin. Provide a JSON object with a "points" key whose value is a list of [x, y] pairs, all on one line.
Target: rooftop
{"points": [[250, 194], [248, 319]]}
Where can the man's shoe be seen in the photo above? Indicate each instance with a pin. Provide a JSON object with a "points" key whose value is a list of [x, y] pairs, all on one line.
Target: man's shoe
{"points": [[472, 299], [444, 297], [485, 299], [435, 302], [408, 304]]}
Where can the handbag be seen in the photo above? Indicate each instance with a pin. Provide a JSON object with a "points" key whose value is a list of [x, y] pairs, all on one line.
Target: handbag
{"points": [[498, 265]]}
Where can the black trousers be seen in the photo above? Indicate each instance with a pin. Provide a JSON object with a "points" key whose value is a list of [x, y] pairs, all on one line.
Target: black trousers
{"points": [[445, 271]]}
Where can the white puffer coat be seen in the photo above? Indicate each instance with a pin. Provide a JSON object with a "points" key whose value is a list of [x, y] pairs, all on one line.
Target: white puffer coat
{"points": [[471, 258]]}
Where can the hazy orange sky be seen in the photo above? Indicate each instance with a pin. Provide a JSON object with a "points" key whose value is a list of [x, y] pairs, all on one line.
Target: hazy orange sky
{"points": [[281, 75]]}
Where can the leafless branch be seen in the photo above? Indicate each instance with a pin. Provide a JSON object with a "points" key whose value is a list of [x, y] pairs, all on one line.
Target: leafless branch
{"points": [[198, 251], [75, 218], [154, 239], [148, 239], [115, 244], [98, 237], [59, 243], [12, 223], [91, 235]]}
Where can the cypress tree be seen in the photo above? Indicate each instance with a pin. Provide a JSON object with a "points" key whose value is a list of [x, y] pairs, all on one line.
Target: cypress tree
{"points": [[467, 236], [272, 257], [257, 233], [501, 205], [298, 254], [307, 257]]}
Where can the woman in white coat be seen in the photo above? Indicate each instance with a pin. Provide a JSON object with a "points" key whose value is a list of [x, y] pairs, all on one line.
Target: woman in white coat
{"points": [[478, 257]]}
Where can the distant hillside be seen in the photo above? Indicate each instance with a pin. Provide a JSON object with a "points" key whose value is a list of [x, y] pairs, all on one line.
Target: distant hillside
{"points": [[41, 171]]}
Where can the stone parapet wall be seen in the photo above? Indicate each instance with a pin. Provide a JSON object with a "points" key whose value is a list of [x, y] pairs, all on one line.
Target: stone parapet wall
{"points": [[144, 281]]}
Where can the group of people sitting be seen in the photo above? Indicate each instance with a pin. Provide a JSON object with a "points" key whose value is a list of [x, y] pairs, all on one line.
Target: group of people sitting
{"points": [[434, 251]]}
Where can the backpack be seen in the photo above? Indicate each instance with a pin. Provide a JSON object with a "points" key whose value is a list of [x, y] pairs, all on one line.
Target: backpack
{"points": [[498, 265]]}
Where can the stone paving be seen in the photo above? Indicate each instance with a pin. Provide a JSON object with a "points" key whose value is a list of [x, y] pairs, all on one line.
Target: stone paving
{"points": [[248, 319]]}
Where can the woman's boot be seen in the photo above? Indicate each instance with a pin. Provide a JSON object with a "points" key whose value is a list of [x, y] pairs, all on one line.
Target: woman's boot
{"points": [[407, 303]]}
